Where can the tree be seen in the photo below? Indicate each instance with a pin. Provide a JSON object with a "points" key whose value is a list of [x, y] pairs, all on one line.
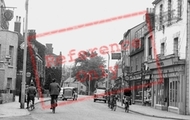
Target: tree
{"points": [[89, 66]]}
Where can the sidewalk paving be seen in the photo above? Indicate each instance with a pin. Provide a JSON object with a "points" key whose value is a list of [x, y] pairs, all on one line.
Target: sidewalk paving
{"points": [[12, 109], [152, 112]]}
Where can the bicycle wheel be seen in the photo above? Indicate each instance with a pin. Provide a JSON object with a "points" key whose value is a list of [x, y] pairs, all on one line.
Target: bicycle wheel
{"points": [[54, 105]]}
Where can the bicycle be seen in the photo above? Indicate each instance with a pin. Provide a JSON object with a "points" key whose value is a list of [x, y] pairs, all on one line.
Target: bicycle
{"points": [[126, 102], [31, 106], [54, 105]]}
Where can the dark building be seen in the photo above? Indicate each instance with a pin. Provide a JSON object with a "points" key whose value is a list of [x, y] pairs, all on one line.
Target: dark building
{"points": [[53, 66], [35, 65]]}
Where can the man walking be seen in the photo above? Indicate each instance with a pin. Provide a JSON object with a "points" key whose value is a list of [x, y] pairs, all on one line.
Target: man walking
{"points": [[31, 93]]}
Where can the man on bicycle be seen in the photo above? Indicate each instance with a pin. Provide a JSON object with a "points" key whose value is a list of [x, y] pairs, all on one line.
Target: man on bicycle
{"points": [[127, 94], [31, 93], [54, 90]]}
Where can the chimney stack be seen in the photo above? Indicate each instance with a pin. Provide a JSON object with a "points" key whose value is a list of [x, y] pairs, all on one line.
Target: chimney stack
{"points": [[49, 48], [17, 24]]}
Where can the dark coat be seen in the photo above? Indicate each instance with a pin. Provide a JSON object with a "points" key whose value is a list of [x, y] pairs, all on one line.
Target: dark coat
{"points": [[54, 88]]}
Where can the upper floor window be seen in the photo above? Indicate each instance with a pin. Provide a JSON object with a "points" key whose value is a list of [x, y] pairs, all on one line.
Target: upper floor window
{"points": [[161, 16], [179, 9], [11, 53], [176, 46], [150, 46], [162, 48], [169, 11]]}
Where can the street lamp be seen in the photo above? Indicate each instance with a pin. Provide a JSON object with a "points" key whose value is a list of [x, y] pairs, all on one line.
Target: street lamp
{"points": [[108, 70], [89, 83], [24, 57]]}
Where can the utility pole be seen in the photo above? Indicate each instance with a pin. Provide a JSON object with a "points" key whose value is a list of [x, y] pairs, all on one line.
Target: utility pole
{"points": [[108, 70], [24, 57]]}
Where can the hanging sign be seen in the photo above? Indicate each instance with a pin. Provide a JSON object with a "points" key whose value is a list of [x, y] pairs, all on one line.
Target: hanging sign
{"points": [[8, 14]]}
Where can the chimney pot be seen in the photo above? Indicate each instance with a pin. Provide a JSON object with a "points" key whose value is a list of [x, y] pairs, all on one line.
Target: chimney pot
{"points": [[19, 18], [16, 18]]}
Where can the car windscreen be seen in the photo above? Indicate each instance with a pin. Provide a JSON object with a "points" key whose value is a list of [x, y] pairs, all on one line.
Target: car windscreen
{"points": [[100, 91]]}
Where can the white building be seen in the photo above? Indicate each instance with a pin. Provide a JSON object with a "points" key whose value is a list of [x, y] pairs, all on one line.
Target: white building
{"points": [[168, 56]]}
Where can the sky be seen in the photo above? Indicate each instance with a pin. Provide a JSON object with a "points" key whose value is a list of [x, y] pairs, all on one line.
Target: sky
{"points": [[46, 15]]}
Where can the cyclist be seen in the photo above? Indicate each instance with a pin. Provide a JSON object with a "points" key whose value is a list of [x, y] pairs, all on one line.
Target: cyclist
{"points": [[31, 93], [54, 90], [127, 96]]}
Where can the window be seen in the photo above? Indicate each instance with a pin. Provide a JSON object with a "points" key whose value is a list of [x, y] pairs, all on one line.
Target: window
{"points": [[160, 93], [136, 63], [150, 46], [179, 9], [0, 51], [169, 11], [161, 16], [176, 46], [162, 48], [174, 92], [11, 53]]}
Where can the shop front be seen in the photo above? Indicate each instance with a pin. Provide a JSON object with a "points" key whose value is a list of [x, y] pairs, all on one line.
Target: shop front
{"points": [[168, 81]]}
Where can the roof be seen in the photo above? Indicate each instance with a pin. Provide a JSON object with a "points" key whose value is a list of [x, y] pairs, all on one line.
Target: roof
{"points": [[156, 1]]}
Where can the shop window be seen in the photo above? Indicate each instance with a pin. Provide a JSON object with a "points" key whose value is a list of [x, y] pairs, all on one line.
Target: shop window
{"points": [[138, 91], [174, 93], [160, 94]]}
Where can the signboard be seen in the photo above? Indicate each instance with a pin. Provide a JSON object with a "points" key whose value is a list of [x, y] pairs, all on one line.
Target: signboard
{"points": [[116, 56], [8, 14]]}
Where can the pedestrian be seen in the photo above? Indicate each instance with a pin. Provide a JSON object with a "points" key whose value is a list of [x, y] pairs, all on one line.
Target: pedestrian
{"points": [[31, 93]]}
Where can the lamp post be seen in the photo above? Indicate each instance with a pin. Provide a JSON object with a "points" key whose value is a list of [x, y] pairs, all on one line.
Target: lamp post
{"points": [[89, 83], [24, 57], [108, 70]]}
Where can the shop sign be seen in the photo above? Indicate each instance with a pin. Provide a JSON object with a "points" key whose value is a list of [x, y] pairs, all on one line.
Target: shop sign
{"points": [[8, 14], [116, 56]]}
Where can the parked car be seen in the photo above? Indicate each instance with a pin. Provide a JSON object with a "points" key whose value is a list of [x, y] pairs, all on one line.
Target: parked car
{"points": [[100, 94]]}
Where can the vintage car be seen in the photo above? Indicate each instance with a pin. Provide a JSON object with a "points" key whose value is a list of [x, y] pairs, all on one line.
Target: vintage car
{"points": [[69, 93]]}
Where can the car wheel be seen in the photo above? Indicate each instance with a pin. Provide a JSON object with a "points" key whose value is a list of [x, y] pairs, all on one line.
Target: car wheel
{"points": [[94, 100], [104, 101]]}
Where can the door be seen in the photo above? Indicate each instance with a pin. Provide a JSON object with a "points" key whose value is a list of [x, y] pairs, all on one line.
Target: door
{"points": [[166, 91]]}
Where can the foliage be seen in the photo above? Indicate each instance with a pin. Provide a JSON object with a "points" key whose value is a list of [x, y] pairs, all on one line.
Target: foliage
{"points": [[89, 66]]}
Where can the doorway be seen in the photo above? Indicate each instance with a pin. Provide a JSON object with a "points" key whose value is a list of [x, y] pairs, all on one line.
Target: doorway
{"points": [[166, 92]]}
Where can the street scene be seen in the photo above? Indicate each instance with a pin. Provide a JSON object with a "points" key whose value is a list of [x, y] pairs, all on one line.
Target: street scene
{"points": [[85, 110], [94, 60]]}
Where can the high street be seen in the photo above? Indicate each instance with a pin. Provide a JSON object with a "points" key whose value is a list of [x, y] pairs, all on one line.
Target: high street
{"points": [[82, 110]]}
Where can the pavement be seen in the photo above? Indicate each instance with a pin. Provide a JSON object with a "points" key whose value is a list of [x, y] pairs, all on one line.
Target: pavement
{"points": [[152, 112], [13, 109]]}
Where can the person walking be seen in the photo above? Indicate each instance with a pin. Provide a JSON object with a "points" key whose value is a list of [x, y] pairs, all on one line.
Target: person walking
{"points": [[31, 93], [54, 90]]}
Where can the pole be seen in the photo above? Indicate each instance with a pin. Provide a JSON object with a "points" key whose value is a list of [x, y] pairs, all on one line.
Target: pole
{"points": [[24, 57], [108, 70], [89, 83]]}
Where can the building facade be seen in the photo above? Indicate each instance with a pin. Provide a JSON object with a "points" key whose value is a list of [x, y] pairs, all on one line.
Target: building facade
{"points": [[8, 63], [168, 56]]}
